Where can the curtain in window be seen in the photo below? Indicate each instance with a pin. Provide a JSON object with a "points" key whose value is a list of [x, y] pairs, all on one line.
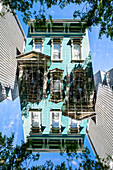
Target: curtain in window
{"points": [[56, 51], [76, 51]]}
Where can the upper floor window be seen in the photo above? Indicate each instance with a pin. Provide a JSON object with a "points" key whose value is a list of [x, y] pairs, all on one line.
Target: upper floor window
{"points": [[38, 47], [56, 48], [38, 44], [76, 49], [56, 52]]}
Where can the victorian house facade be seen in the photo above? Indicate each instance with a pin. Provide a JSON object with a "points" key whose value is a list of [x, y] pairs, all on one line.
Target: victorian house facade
{"points": [[56, 84]]}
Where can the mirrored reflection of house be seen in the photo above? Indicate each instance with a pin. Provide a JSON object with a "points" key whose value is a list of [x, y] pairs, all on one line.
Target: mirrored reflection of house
{"points": [[12, 43], [56, 85]]}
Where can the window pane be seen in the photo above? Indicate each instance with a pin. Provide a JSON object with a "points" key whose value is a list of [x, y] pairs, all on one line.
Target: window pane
{"points": [[76, 51], [56, 86], [55, 115], [56, 51], [35, 119], [55, 119], [57, 47], [38, 47], [73, 123]]}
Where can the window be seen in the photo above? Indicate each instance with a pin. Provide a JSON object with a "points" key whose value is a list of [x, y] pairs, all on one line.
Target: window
{"points": [[35, 115], [38, 47], [76, 51], [77, 92], [35, 119], [56, 86], [73, 123], [56, 49], [55, 119], [38, 43]]}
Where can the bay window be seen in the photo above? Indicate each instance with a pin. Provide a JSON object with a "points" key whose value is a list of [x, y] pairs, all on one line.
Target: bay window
{"points": [[56, 85]]}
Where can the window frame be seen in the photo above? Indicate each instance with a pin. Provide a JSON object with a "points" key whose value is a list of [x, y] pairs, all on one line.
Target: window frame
{"points": [[56, 40], [52, 111], [79, 55], [36, 49], [31, 111], [38, 40], [53, 91], [76, 41]]}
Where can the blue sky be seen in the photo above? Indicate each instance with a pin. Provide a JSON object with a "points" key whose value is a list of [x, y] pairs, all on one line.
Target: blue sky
{"points": [[101, 49]]}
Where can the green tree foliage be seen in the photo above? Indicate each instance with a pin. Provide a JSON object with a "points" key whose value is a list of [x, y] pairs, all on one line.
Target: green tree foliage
{"points": [[15, 157], [95, 12], [19, 157]]}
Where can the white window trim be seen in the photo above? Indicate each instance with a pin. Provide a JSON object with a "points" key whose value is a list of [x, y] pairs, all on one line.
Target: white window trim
{"points": [[61, 84], [31, 112], [52, 48], [72, 50], [40, 42], [60, 118]]}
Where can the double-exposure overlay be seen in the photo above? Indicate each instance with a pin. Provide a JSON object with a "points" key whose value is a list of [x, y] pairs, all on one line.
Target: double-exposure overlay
{"points": [[56, 84]]}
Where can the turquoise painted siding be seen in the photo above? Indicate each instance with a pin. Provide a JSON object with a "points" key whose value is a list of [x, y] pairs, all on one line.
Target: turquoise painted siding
{"points": [[66, 63], [66, 46]]}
